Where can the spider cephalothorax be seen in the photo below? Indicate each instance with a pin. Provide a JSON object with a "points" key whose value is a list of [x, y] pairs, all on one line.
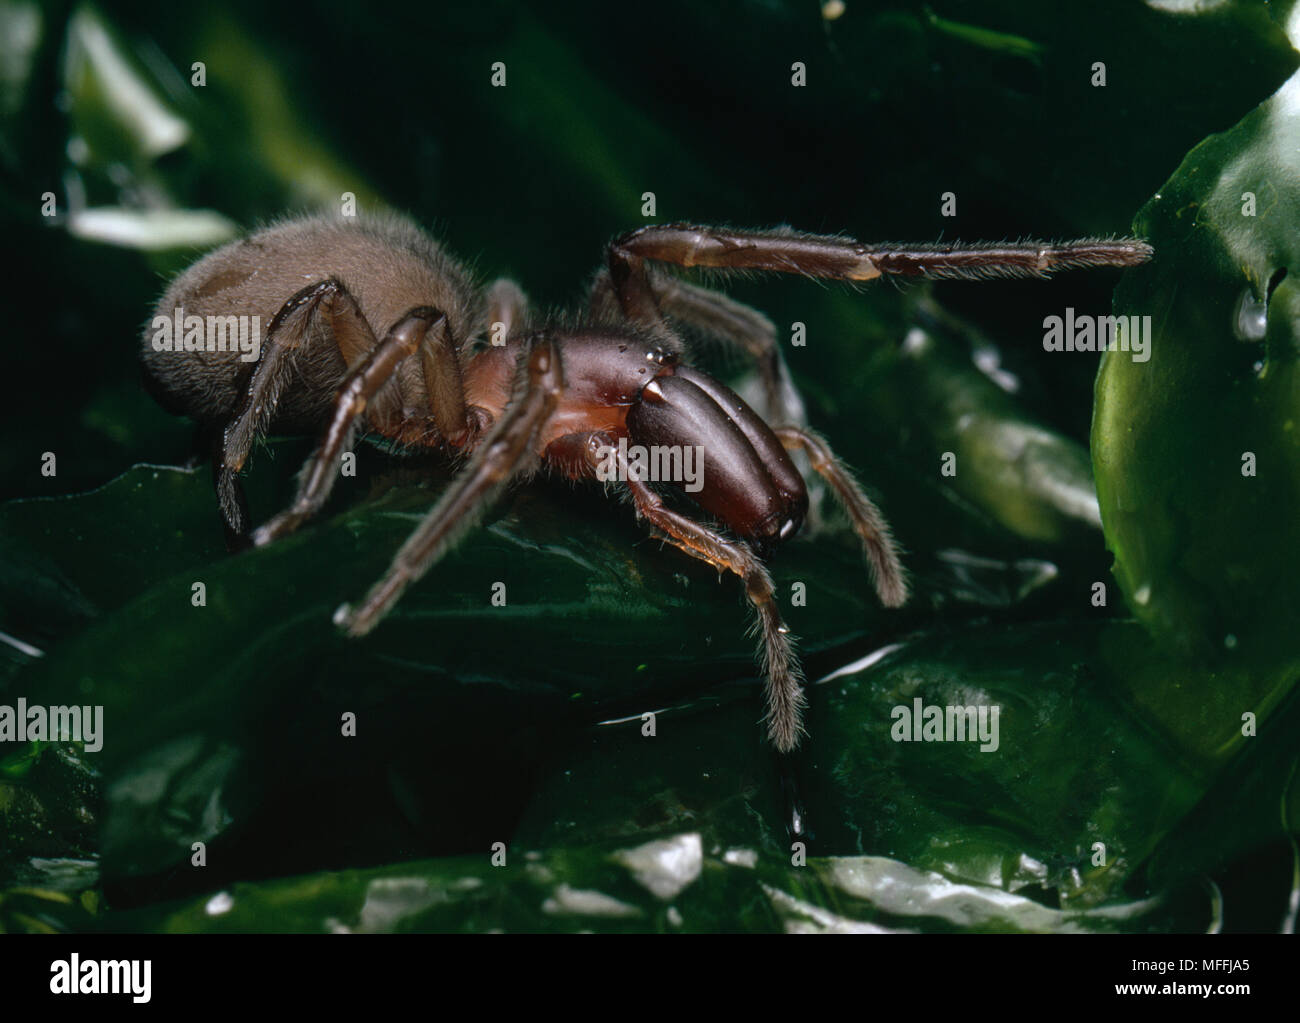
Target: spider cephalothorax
{"points": [[371, 324]]}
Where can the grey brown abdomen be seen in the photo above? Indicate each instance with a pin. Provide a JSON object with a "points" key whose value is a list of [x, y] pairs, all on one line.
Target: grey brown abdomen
{"points": [[231, 297]]}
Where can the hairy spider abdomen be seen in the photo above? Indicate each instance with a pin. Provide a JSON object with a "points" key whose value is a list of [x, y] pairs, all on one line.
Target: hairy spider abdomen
{"points": [[387, 264]]}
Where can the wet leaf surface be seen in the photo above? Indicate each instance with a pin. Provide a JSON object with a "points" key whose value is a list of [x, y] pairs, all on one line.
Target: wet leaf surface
{"points": [[1198, 449]]}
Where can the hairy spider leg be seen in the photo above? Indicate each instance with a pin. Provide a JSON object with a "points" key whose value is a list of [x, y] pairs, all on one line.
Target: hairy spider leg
{"points": [[355, 394], [845, 259], [506, 449], [871, 527], [507, 306], [290, 327], [783, 678]]}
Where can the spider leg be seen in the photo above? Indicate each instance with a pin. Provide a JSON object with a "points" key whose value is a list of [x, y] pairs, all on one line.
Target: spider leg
{"points": [[500, 455], [643, 295], [844, 259], [288, 329], [868, 523], [507, 305], [231, 501], [782, 675], [356, 394]]}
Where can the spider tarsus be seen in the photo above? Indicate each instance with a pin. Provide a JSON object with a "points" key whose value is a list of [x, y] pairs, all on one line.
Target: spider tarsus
{"points": [[783, 678], [349, 621], [264, 534], [877, 539], [784, 689], [280, 525]]}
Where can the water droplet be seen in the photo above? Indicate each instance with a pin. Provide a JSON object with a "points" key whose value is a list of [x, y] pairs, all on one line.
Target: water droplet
{"points": [[915, 342], [1143, 595], [1230, 641], [989, 362], [1251, 320]]}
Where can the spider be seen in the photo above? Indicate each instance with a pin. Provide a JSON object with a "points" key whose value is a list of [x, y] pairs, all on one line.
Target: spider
{"points": [[373, 325]]}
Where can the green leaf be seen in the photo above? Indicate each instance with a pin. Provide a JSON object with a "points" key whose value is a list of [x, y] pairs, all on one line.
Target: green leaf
{"points": [[666, 885], [1197, 451]]}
